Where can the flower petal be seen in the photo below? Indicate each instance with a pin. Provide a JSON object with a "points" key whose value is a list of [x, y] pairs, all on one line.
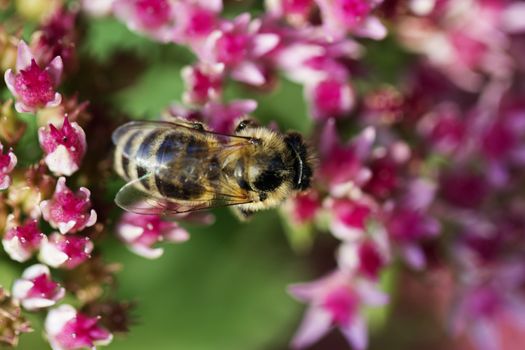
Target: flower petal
{"points": [[316, 323]]}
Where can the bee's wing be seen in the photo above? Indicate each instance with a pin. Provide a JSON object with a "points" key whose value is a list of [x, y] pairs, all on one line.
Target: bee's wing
{"points": [[131, 198]]}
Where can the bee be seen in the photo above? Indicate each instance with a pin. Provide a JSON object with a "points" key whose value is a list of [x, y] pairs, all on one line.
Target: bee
{"points": [[181, 166]]}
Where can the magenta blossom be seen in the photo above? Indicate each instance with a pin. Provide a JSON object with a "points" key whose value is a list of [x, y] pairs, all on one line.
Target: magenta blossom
{"points": [[7, 163], [349, 217], [141, 232], [365, 257], [20, 242], [154, 18], [68, 211], [65, 251], [343, 165], [64, 148], [68, 329], [341, 17], [330, 98], [32, 86], [240, 46], [203, 83], [335, 301], [304, 206], [296, 12], [36, 289], [195, 20]]}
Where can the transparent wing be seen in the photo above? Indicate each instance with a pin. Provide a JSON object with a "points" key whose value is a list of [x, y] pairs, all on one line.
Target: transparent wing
{"points": [[133, 199]]}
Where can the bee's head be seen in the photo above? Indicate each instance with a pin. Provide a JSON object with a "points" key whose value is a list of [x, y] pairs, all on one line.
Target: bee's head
{"points": [[302, 167]]}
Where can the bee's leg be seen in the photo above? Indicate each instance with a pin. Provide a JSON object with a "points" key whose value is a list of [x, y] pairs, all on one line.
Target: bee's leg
{"points": [[245, 124], [188, 123], [242, 214]]}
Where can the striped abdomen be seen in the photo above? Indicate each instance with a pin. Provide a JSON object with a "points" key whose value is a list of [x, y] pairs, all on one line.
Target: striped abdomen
{"points": [[173, 163]]}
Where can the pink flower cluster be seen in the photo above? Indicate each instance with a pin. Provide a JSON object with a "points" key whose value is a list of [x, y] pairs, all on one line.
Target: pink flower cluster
{"points": [[64, 147]]}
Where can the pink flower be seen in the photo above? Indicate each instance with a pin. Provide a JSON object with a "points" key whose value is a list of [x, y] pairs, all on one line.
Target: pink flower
{"points": [[240, 46], [68, 211], [297, 12], [20, 242], [154, 18], [444, 128], [305, 206], [342, 165], [330, 98], [349, 217], [365, 257], [32, 86], [335, 301], [203, 83], [65, 251], [68, 329], [142, 232], [350, 16], [36, 289], [7, 164], [195, 20], [64, 148]]}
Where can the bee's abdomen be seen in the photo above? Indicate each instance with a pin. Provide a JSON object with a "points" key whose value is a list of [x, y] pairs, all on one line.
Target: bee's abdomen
{"points": [[170, 163]]}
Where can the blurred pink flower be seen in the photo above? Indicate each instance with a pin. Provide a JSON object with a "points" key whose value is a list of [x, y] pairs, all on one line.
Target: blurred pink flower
{"points": [[341, 17], [67, 211], [335, 301], [365, 257], [297, 12], [20, 242], [68, 329], [330, 98], [203, 83], [343, 165], [349, 217], [154, 18], [64, 148], [240, 46], [32, 86], [142, 232], [7, 164], [65, 251], [36, 289], [304, 206], [195, 21]]}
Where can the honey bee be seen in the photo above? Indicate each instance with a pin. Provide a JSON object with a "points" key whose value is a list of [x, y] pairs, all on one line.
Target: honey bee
{"points": [[181, 166]]}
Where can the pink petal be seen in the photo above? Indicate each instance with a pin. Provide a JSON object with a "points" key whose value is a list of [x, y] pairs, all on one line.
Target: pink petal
{"points": [[414, 256], [56, 101], [248, 72], [356, 333], [264, 43], [24, 56], [21, 107], [316, 323], [512, 18], [54, 69], [372, 28], [9, 78]]}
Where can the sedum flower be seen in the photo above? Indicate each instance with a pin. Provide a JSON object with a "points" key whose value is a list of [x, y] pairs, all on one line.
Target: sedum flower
{"points": [[240, 46], [65, 251], [36, 289], [32, 86], [67, 211], [7, 163], [330, 98], [141, 232], [335, 300], [154, 18], [349, 217], [296, 12], [195, 21], [343, 164], [68, 329], [203, 83], [64, 148], [351, 16], [20, 242]]}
